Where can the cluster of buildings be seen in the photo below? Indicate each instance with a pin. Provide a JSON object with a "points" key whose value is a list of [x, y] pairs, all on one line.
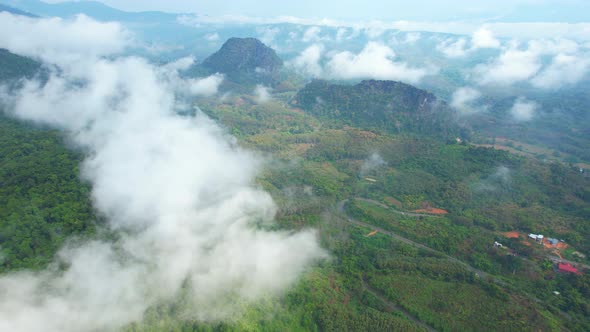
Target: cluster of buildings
{"points": [[537, 237], [549, 242]]}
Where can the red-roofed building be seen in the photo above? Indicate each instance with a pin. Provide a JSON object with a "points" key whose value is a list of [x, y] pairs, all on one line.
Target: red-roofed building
{"points": [[566, 267]]}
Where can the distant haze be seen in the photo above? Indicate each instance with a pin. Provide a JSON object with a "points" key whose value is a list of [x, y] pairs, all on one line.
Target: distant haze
{"points": [[497, 10]]}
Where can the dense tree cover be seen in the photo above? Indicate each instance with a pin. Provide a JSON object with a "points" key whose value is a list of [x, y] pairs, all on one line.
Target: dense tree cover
{"points": [[42, 201], [486, 191], [13, 66], [561, 123], [386, 105]]}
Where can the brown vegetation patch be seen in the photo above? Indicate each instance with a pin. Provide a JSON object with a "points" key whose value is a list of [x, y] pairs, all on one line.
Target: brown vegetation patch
{"points": [[561, 246], [361, 133], [301, 148], [432, 211], [371, 234], [394, 202], [511, 235]]}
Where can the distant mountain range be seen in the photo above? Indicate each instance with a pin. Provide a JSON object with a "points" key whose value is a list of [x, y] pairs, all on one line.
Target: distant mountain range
{"points": [[12, 10], [93, 9]]}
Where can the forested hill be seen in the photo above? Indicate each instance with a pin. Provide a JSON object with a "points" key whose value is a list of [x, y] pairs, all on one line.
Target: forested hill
{"points": [[386, 105], [14, 66], [245, 60]]}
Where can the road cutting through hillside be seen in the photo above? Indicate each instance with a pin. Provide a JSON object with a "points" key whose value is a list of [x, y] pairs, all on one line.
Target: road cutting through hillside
{"points": [[408, 214], [478, 273]]}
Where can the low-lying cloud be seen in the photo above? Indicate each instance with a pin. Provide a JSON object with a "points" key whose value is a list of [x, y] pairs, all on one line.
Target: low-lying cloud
{"points": [[500, 179], [453, 48], [461, 47], [524, 64], [375, 61], [520, 30], [523, 110], [180, 194], [374, 162], [308, 62], [207, 86], [262, 94], [563, 70], [268, 34], [312, 34], [464, 101], [60, 41], [512, 66], [484, 38]]}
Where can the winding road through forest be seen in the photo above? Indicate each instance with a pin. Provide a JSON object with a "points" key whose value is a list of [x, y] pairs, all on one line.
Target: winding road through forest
{"points": [[340, 209]]}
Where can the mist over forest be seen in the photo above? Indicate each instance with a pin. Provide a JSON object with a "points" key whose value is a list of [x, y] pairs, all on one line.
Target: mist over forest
{"points": [[181, 167]]}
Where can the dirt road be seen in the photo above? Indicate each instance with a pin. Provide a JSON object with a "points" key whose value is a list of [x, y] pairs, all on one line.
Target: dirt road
{"points": [[408, 214]]}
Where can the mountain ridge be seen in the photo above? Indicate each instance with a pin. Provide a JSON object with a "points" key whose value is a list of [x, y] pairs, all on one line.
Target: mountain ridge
{"points": [[388, 105], [93, 9]]}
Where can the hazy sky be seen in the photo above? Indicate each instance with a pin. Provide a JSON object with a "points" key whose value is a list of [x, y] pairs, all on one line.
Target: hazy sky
{"points": [[424, 10]]}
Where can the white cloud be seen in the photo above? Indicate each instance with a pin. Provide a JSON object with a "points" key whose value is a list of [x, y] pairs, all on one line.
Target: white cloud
{"points": [[181, 64], [457, 48], [524, 64], [554, 46], [536, 30], [212, 37], [268, 34], [501, 178], [464, 101], [521, 30], [374, 29], [523, 110], [207, 86], [58, 41], [308, 62], [484, 38], [199, 20], [312, 34], [341, 33], [375, 161], [412, 37], [512, 66], [262, 94], [525, 30], [564, 69], [453, 48], [180, 194], [375, 61], [203, 86]]}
